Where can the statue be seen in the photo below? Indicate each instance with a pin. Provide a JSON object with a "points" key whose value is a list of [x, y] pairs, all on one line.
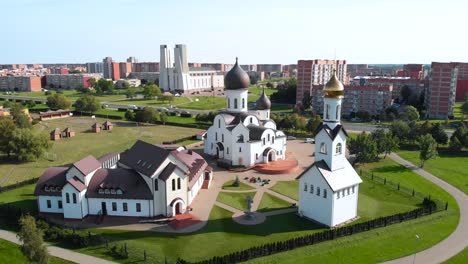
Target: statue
{"points": [[249, 215]]}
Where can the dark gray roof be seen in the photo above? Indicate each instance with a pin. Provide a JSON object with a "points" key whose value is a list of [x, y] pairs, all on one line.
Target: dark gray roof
{"points": [[332, 133], [263, 103], [236, 78], [168, 170], [77, 184], [129, 182], [255, 132], [52, 177], [144, 157], [321, 164], [56, 132], [87, 165]]}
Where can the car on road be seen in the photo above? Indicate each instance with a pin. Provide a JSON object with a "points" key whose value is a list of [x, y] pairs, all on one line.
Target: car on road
{"points": [[133, 107], [309, 140], [290, 138]]}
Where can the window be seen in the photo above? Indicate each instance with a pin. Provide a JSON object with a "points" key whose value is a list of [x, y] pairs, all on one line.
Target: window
{"points": [[229, 103], [138, 207], [235, 103], [49, 204], [227, 150], [156, 185], [318, 191], [74, 198], [222, 138], [251, 120], [268, 137], [324, 193], [338, 148], [256, 156], [219, 123], [273, 140], [240, 138], [311, 188], [263, 141], [216, 136], [338, 195], [305, 187], [240, 149], [173, 184], [60, 206], [347, 191], [323, 148], [67, 197], [114, 206], [352, 189], [327, 112], [125, 207], [243, 102], [178, 184], [338, 112]]}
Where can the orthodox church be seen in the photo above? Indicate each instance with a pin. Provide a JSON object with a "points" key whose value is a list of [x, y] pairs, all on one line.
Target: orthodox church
{"points": [[239, 137], [144, 181], [328, 189]]}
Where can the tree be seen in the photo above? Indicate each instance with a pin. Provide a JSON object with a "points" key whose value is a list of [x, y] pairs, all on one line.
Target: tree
{"points": [[151, 91], [58, 101], [130, 93], [33, 244], [386, 142], [459, 138], [363, 115], [87, 103], [29, 104], [92, 82], [464, 108], [125, 85], [405, 94], [7, 130], [104, 86], [163, 118], [313, 124], [130, 115], [27, 146], [22, 120], [364, 146], [400, 129], [307, 100], [300, 123], [439, 135], [427, 148], [269, 85], [147, 115], [410, 113]]}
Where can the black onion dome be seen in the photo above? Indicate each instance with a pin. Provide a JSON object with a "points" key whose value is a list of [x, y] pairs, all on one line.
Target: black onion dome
{"points": [[263, 103], [236, 78]]}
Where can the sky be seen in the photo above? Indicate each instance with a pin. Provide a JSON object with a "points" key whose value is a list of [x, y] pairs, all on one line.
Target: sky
{"points": [[256, 31]]}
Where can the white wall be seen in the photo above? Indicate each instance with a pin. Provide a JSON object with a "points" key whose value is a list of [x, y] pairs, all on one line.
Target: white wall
{"points": [[345, 207], [95, 206], [72, 172], [239, 95], [195, 189], [42, 203], [313, 206], [72, 210], [177, 193]]}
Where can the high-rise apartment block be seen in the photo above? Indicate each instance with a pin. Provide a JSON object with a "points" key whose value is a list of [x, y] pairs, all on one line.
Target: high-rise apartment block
{"points": [[95, 67], [145, 67], [20, 83], [125, 68], [440, 96], [317, 72], [107, 67]]}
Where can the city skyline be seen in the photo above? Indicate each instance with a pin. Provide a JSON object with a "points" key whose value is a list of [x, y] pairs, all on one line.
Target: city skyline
{"points": [[374, 32]]}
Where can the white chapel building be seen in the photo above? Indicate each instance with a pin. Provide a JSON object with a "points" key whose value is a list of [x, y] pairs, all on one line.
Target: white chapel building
{"points": [[329, 188], [239, 137], [144, 181]]}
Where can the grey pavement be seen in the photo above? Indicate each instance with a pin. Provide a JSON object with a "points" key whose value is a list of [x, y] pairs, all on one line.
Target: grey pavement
{"points": [[58, 252], [455, 242]]}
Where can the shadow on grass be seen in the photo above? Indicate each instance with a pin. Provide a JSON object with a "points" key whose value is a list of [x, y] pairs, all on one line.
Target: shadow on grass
{"points": [[394, 169]]}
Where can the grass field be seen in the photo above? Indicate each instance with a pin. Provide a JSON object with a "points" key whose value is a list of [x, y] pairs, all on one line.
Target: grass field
{"points": [[74, 95], [236, 200], [11, 253], [242, 186], [22, 197], [460, 258], [287, 188], [70, 150], [448, 167], [270, 202]]}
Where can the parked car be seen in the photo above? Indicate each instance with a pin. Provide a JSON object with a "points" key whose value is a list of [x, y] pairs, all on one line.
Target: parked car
{"points": [[309, 140], [134, 107], [290, 138]]}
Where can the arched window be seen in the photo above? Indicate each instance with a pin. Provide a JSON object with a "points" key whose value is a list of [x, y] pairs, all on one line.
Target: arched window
{"points": [[327, 112], [74, 198], [173, 184], [222, 137], [178, 184], [305, 187], [243, 102], [324, 193], [323, 148], [67, 197], [229, 103], [240, 138], [235, 103], [338, 112], [318, 191], [216, 136], [219, 123], [338, 148], [311, 188]]}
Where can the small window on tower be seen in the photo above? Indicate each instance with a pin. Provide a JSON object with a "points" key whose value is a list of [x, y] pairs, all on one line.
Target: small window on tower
{"points": [[311, 188], [323, 148], [243, 102], [338, 148], [338, 110], [327, 112], [235, 103], [305, 187]]}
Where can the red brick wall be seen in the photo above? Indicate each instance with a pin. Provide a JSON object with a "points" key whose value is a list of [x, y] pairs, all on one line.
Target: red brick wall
{"points": [[35, 83]]}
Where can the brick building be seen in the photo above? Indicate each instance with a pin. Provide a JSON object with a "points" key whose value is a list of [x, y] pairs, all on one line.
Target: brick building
{"points": [[317, 72], [146, 67], [20, 83], [68, 81], [440, 95]]}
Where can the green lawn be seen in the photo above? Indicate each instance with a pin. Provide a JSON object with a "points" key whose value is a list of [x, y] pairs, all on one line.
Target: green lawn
{"points": [[270, 202], [460, 258], [255, 90], [11, 253], [70, 150], [236, 200], [242, 186], [448, 167], [22, 197], [74, 95], [189, 142], [287, 188]]}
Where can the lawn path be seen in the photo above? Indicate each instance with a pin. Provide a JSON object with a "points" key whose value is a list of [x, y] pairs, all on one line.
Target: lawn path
{"points": [[453, 244], [57, 251]]}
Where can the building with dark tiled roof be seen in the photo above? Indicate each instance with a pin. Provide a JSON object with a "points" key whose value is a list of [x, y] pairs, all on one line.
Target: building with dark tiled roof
{"points": [[144, 181], [239, 137]]}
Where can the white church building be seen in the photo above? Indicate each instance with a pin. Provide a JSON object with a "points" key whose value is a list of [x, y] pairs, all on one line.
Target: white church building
{"points": [[329, 188], [144, 181], [177, 76], [239, 137]]}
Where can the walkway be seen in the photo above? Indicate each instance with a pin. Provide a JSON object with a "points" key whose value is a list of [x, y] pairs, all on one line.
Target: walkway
{"points": [[58, 252], [453, 244]]}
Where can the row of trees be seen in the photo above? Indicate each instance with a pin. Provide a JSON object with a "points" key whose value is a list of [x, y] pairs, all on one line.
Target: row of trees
{"points": [[147, 115]]}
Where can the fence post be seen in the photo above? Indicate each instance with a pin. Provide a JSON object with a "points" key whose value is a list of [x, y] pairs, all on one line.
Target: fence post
{"points": [[413, 192], [372, 176], [398, 186], [385, 181], [125, 250], [144, 254], [446, 206], [107, 243]]}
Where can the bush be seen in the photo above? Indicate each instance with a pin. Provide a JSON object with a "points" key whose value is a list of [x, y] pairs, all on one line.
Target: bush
{"points": [[185, 115], [236, 182]]}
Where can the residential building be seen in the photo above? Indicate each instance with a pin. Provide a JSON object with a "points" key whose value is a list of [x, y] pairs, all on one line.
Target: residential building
{"points": [[440, 95], [58, 70], [414, 71], [69, 81], [20, 83], [239, 137], [269, 68], [329, 188], [144, 181], [132, 60], [146, 67], [107, 68], [125, 68], [95, 67], [317, 72]]}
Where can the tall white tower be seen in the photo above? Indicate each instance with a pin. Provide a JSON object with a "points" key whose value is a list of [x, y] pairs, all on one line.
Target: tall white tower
{"points": [[165, 66], [237, 83], [333, 94], [181, 70]]}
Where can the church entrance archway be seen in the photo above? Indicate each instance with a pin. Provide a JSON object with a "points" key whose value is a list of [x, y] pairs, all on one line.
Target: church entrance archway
{"points": [[177, 206], [269, 155], [219, 150]]}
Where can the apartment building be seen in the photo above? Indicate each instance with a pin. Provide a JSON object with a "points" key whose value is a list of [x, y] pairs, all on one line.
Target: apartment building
{"points": [[20, 83]]}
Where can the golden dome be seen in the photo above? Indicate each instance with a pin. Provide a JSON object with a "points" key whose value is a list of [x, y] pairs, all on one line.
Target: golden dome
{"points": [[334, 88]]}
